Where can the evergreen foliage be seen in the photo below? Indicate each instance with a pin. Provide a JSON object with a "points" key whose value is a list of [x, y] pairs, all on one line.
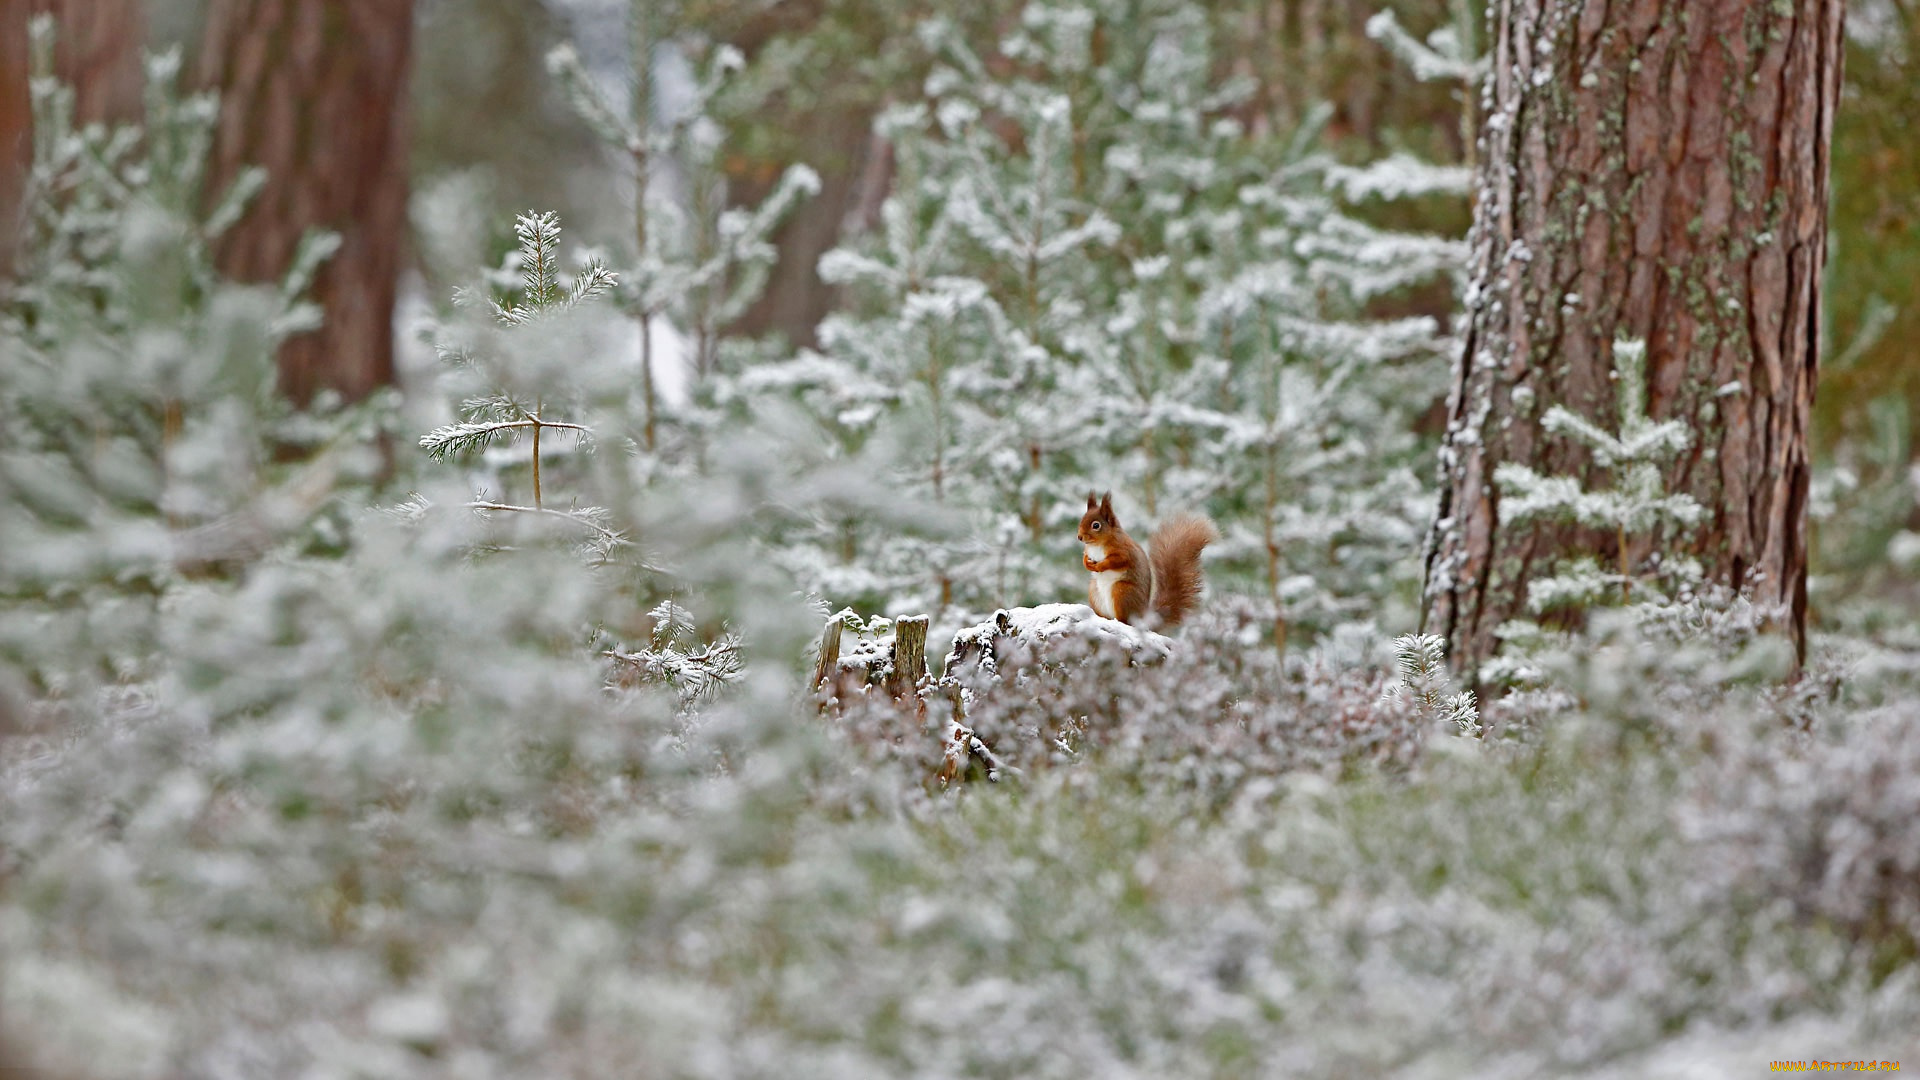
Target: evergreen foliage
{"points": [[1634, 506], [698, 263], [1088, 277], [1421, 661], [137, 391], [295, 781], [675, 656], [510, 386], [499, 411]]}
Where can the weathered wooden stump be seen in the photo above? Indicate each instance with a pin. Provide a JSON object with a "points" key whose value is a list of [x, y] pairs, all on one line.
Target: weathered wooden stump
{"points": [[896, 662], [909, 667], [829, 663]]}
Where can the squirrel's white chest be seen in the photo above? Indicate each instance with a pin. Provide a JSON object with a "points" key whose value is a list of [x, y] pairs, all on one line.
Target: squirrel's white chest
{"points": [[1100, 593]]}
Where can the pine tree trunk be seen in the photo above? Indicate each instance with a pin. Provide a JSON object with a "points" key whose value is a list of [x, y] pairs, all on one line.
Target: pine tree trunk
{"points": [[852, 165], [1655, 169], [316, 93]]}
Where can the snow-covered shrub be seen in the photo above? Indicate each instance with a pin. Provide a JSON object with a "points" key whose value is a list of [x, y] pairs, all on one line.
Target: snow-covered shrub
{"points": [[320, 783], [275, 779], [138, 391], [1824, 827], [698, 263]]}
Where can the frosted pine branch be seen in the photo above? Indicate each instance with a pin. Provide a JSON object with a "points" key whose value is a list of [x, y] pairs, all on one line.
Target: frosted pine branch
{"points": [[443, 442], [696, 671], [592, 106], [1439, 57], [1401, 176], [590, 518], [595, 280], [539, 235], [1421, 663]]}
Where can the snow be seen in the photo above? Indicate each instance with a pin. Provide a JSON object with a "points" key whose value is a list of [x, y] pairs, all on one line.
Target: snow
{"points": [[421, 791], [1050, 624], [672, 359]]}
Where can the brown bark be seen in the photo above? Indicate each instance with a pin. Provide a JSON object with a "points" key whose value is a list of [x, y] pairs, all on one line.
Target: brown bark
{"points": [[315, 91], [852, 165], [1655, 169]]}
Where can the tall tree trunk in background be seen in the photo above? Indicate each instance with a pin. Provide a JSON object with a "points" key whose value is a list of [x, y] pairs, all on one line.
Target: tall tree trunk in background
{"points": [[316, 93], [855, 170], [1656, 169]]}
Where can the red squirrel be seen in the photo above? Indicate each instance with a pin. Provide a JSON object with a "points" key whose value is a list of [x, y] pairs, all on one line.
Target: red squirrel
{"points": [[1127, 582]]}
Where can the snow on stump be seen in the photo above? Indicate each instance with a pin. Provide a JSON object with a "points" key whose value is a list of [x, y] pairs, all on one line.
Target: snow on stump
{"points": [[1022, 637], [889, 653]]}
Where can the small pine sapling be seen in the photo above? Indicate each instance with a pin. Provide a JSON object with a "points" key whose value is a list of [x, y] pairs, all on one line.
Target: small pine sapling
{"points": [[1420, 664], [1635, 507], [522, 367], [675, 657], [502, 412], [1636, 504]]}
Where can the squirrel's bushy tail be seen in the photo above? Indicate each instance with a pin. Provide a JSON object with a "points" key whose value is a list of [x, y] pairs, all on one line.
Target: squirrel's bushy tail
{"points": [[1175, 554]]}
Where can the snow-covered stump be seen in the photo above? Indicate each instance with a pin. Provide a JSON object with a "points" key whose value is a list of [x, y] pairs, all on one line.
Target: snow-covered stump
{"points": [[1014, 649], [909, 668], [891, 655], [887, 653], [1022, 637], [828, 665]]}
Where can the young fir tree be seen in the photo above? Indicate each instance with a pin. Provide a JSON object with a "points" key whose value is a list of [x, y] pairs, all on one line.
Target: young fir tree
{"points": [[1634, 512], [531, 378], [1421, 678], [697, 263], [1090, 275], [502, 406]]}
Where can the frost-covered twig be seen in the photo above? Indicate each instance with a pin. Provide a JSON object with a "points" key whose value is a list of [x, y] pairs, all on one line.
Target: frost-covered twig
{"points": [[674, 656], [578, 517], [456, 438]]}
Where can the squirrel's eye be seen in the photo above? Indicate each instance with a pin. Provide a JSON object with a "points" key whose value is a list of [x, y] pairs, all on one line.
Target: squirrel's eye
{"points": [[1096, 526]]}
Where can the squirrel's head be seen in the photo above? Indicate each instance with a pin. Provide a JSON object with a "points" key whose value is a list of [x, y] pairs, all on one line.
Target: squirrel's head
{"points": [[1098, 522]]}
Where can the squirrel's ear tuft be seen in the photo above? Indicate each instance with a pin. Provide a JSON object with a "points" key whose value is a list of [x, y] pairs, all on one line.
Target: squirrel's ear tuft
{"points": [[1092, 500], [1106, 502]]}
